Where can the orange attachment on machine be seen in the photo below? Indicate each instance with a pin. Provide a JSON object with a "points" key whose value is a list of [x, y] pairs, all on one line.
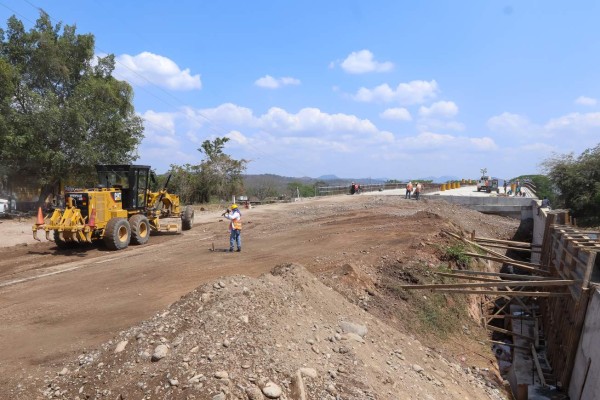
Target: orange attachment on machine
{"points": [[92, 220], [40, 217]]}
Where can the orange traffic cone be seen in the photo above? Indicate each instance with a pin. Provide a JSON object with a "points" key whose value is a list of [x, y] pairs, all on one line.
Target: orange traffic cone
{"points": [[92, 220], [40, 217]]}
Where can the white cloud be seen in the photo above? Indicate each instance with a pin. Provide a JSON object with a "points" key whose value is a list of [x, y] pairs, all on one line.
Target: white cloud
{"points": [[238, 137], [511, 124], [445, 109], [225, 114], [586, 101], [269, 82], [414, 92], [156, 121], [360, 62], [151, 69], [314, 121], [427, 124], [429, 141], [399, 113], [575, 123]]}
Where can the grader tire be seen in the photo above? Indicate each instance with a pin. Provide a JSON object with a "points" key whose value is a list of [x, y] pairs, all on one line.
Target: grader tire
{"points": [[187, 219], [140, 229], [117, 234]]}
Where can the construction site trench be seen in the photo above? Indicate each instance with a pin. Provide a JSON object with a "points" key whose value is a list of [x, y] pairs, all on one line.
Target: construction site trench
{"points": [[311, 308]]}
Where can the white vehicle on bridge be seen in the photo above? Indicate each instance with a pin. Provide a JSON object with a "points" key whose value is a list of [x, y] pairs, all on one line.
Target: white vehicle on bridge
{"points": [[488, 184], [4, 207]]}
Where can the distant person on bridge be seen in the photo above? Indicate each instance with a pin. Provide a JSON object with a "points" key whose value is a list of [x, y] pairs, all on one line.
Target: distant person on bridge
{"points": [[234, 215], [545, 204], [505, 185], [418, 190], [409, 188]]}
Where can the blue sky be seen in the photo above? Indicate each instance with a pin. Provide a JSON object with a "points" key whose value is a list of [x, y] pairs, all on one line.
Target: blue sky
{"points": [[395, 89]]}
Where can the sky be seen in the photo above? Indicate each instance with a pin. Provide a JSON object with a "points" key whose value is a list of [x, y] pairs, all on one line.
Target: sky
{"points": [[378, 89]]}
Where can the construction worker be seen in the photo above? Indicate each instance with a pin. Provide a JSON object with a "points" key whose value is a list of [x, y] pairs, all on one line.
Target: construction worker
{"points": [[234, 215], [409, 188], [418, 190]]}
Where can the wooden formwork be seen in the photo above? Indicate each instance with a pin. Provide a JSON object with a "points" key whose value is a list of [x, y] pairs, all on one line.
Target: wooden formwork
{"points": [[569, 253]]}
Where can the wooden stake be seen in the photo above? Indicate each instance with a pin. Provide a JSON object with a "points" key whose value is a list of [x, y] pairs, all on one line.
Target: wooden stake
{"points": [[506, 260], [503, 275], [505, 293], [497, 283], [538, 366], [493, 328], [515, 346], [509, 242], [467, 277]]}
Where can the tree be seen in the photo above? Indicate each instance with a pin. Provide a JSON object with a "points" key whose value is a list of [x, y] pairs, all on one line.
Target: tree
{"points": [[577, 181], [59, 114], [220, 175]]}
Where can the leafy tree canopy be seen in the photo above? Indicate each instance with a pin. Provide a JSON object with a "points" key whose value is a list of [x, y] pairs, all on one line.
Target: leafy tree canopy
{"points": [[577, 183], [218, 175], [59, 113]]}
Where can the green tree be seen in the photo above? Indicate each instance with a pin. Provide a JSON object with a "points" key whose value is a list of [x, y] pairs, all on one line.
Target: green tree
{"points": [[220, 175], [60, 114], [577, 182], [305, 190]]}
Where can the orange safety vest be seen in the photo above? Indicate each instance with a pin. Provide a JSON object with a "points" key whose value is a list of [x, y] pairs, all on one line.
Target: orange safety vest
{"points": [[237, 223]]}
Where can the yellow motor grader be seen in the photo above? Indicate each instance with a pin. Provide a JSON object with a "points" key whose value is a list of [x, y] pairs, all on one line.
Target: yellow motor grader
{"points": [[121, 210]]}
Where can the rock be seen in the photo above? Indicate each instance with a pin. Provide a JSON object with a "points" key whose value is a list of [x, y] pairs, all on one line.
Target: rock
{"points": [[173, 382], [350, 327], [353, 336], [221, 375], [220, 396], [310, 372], [297, 390], [160, 352], [271, 390], [244, 319], [417, 368], [63, 372], [254, 393], [121, 346]]}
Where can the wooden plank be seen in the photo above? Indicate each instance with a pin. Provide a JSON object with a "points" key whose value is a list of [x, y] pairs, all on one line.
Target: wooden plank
{"points": [[504, 275], [514, 346], [499, 310], [501, 246], [517, 264], [508, 316], [505, 293], [546, 283], [536, 332], [537, 365], [509, 242], [507, 332], [467, 277], [589, 268]]}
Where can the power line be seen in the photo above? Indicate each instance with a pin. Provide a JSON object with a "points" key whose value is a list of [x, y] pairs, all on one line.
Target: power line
{"points": [[216, 128]]}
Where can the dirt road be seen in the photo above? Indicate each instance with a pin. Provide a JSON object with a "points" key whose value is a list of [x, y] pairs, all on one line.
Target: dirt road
{"points": [[54, 304]]}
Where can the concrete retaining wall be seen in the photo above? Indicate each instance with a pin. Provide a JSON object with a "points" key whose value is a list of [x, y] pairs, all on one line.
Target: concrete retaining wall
{"points": [[516, 207], [585, 384]]}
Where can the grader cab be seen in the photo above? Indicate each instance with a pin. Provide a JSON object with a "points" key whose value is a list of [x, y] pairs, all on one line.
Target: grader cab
{"points": [[119, 211]]}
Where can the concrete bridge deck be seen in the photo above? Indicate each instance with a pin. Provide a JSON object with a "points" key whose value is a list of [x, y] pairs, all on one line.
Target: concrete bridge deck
{"points": [[468, 196]]}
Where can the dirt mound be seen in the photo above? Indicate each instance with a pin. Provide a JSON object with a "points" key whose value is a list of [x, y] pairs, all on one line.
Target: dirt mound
{"points": [[284, 335]]}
